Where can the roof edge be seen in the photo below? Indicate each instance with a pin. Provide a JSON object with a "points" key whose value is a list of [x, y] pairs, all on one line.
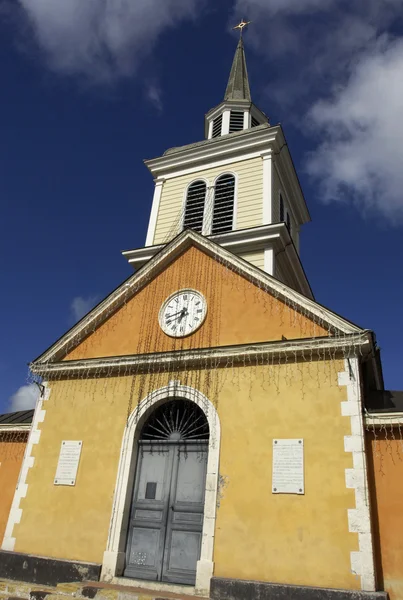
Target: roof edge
{"points": [[156, 264]]}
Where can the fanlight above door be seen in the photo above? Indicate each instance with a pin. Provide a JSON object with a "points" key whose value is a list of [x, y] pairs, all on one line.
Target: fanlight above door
{"points": [[176, 421]]}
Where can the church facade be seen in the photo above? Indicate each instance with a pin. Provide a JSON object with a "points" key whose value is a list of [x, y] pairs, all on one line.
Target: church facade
{"points": [[203, 427]]}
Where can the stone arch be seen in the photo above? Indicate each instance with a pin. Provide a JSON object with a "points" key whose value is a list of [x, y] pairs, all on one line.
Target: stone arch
{"points": [[114, 555]]}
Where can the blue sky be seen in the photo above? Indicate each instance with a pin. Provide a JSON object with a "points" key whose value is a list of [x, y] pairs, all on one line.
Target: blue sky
{"points": [[91, 89]]}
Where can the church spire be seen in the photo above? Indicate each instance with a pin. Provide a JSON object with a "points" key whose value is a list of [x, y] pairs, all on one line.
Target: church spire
{"points": [[237, 111], [238, 82]]}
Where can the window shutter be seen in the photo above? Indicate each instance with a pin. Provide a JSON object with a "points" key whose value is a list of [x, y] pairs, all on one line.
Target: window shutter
{"points": [[223, 211], [235, 121], [217, 126], [194, 209]]}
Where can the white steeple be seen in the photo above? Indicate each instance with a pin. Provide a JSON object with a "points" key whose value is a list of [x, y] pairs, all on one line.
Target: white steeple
{"points": [[237, 111], [238, 187]]}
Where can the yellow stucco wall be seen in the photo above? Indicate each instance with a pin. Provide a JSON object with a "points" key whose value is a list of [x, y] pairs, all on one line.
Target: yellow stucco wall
{"points": [[249, 197], [258, 535], [12, 447]]}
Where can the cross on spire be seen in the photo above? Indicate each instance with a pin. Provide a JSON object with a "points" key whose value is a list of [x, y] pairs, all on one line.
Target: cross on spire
{"points": [[241, 26]]}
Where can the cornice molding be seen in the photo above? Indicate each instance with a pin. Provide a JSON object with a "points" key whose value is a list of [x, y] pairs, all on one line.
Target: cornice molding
{"points": [[383, 420], [14, 428], [275, 235], [338, 347], [234, 144], [228, 105]]}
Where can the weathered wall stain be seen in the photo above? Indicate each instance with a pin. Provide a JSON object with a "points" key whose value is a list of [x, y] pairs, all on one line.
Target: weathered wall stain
{"points": [[223, 482]]}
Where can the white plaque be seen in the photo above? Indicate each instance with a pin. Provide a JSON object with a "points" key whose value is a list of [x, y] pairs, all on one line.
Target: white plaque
{"points": [[288, 467], [67, 465]]}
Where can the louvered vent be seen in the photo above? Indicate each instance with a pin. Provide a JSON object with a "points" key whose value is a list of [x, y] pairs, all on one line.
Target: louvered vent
{"points": [[235, 121], [195, 206], [255, 122], [217, 126], [223, 204]]}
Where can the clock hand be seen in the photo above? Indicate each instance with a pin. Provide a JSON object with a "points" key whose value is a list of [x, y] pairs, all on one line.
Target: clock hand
{"points": [[184, 314], [174, 315]]}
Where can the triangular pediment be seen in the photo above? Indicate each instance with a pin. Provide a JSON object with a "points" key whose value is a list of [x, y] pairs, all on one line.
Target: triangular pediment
{"points": [[245, 306]]}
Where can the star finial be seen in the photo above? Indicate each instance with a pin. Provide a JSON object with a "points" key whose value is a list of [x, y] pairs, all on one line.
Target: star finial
{"points": [[242, 25]]}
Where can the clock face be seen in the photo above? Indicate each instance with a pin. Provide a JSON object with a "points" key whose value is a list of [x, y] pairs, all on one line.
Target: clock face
{"points": [[183, 313]]}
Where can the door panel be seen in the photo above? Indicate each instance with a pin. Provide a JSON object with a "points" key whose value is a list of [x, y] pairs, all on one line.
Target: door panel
{"points": [[144, 549], [147, 527], [148, 514], [184, 552], [185, 517], [190, 484]]}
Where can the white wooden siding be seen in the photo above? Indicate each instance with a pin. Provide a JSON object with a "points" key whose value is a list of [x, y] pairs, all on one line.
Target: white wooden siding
{"points": [[250, 193], [249, 197], [255, 258]]}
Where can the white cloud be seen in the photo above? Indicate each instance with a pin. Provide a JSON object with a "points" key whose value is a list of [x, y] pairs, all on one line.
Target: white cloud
{"points": [[320, 38], [154, 96], [360, 157], [81, 306], [337, 77], [100, 39], [24, 398], [274, 7]]}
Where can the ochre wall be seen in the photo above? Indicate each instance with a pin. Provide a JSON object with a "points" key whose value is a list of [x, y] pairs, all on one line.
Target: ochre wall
{"points": [[238, 313], [259, 535], [12, 447], [386, 473], [249, 211]]}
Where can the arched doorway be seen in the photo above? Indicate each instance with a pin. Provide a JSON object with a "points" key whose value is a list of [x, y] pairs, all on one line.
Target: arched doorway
{"points": [[167, 509]]}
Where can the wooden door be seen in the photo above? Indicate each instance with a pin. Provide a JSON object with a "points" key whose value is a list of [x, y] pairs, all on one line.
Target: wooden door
{"points": [[185, 516], [166, 521]]}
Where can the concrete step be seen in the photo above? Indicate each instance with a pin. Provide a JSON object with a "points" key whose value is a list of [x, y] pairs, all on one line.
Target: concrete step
{"points": [[28, 591], [89, 590]]}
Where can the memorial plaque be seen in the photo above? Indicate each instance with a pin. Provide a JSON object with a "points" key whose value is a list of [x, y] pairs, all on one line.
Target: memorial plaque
{"points": [[288, 467], [67, 465]]}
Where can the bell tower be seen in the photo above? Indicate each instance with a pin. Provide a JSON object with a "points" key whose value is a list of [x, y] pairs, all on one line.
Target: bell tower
{"points": [[238, 187]]}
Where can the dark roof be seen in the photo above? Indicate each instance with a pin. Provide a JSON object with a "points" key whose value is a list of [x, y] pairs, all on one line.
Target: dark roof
{"points": [[388, 401], [238, 82], [21, 417]]}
